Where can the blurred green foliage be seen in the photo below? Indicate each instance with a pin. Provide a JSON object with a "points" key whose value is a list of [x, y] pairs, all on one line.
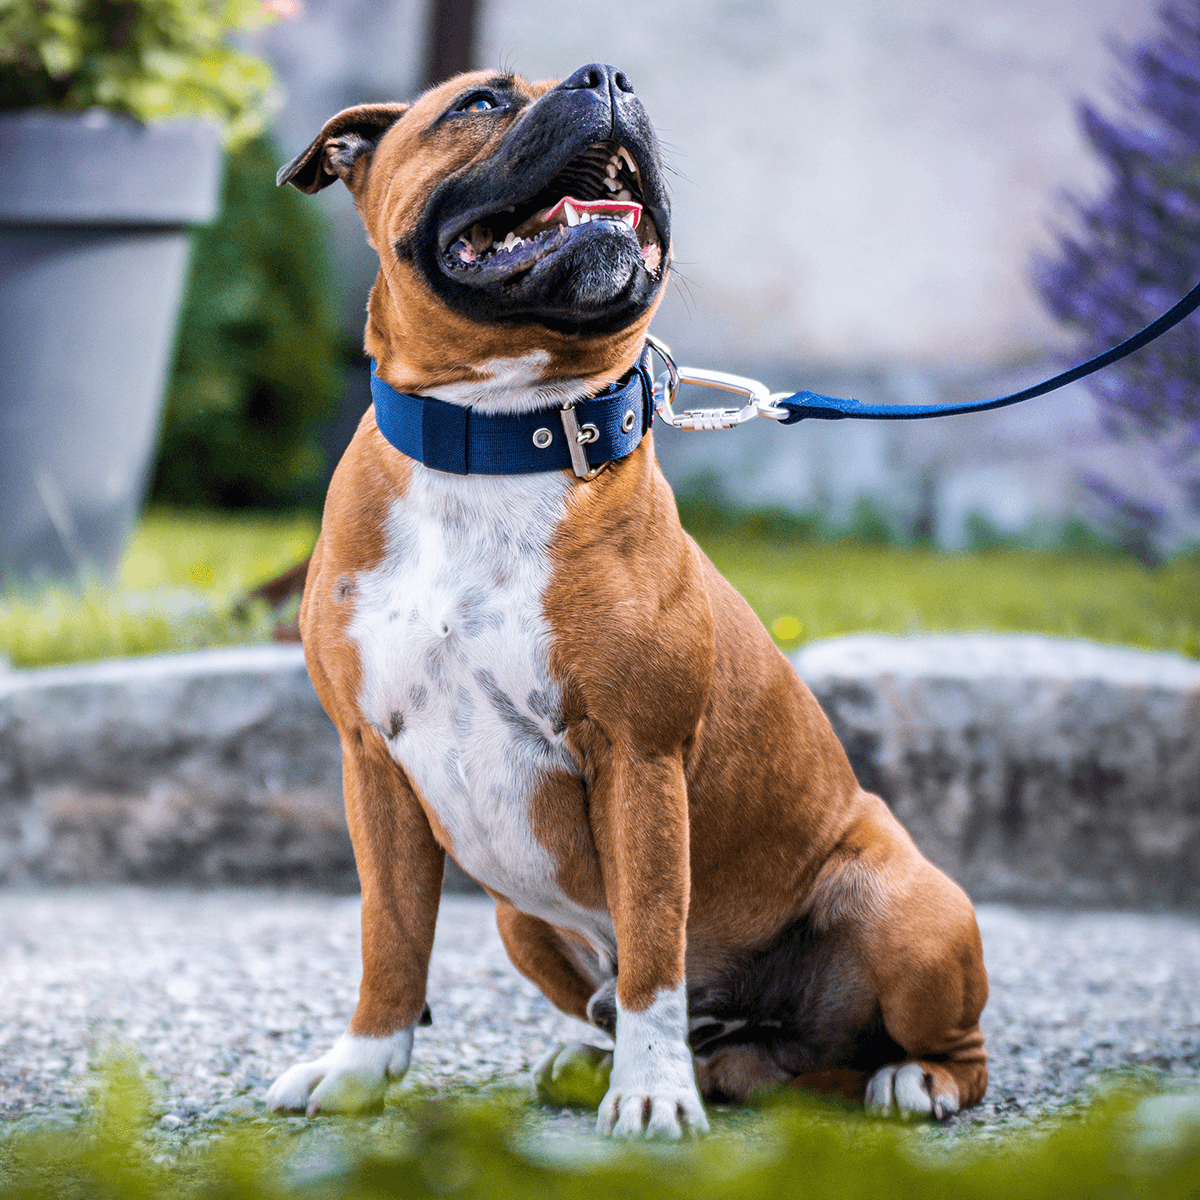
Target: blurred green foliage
{"points": [[258, 362], [1134, 1144], [221, 555], [149, 59]]}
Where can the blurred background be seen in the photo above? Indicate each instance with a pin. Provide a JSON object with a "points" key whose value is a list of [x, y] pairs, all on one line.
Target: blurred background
{"points": [[901, 203]]}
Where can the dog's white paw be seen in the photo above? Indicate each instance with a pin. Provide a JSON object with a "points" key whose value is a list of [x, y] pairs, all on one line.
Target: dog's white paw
{"points": [[352, 1077], [652, 1091], [664, 1112], [909, 1091]]}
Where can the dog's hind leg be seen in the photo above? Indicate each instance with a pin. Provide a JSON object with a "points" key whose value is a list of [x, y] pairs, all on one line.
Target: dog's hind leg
{"points": [[914, 932], [544, 957], [570, 1075]]}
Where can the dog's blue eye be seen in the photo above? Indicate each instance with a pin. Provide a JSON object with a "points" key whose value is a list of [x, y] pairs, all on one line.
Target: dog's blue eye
{"points": [[479, 104]]}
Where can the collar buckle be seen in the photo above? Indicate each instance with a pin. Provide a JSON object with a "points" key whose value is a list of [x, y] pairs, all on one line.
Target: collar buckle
{"points": [[577, 438]]}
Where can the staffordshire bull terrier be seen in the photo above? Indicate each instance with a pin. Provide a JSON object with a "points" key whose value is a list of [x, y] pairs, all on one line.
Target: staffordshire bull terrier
{"points": [[533, 668]]}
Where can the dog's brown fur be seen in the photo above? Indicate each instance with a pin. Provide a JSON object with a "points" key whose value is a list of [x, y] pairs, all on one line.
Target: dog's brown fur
{"points": [[713, 808]]}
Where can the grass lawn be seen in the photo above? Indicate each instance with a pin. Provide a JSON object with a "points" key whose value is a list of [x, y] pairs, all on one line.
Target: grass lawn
{"points": [[184, 573], [177, 588], [813, 590]]}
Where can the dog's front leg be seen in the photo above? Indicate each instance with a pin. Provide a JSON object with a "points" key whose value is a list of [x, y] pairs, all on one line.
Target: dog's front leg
{"points": [[640, 822], [400, 867]]}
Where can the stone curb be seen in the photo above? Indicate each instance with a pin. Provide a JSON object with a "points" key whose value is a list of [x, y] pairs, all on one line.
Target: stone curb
{"points": [[214, 766], [1029, 768]]}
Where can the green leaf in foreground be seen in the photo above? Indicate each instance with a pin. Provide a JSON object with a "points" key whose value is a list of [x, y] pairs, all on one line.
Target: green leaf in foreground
{"points": [[1135, 1142]]}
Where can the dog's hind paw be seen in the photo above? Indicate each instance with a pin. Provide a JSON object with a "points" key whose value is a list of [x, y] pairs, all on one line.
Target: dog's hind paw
{"points": [[910, 1091], [572, 1076], [351, 1078]]}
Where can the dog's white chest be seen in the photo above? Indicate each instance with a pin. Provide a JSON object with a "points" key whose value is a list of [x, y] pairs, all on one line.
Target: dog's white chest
{"points": [[454, 645]]}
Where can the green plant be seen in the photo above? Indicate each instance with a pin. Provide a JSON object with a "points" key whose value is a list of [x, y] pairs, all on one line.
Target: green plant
{"points": [[808, 591], [868, 526], [258, 361], [1137, 1142], [149, 59]]}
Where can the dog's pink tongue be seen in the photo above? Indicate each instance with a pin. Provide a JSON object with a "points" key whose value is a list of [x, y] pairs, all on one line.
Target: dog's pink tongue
{"points": [[579, 211]]}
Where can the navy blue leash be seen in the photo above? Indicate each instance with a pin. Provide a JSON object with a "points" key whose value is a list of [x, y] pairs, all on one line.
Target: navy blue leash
{"points": [[802, 405]]}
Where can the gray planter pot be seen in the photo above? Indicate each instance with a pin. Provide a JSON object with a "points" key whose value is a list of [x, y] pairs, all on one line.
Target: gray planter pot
{"points": [[94, 217]]}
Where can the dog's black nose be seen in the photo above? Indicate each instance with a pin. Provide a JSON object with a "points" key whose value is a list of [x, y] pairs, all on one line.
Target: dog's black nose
{"points": [[598, 77]]}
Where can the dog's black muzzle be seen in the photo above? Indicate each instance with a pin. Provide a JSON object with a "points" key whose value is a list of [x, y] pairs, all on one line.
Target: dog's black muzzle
{"points": [[492, 243]]}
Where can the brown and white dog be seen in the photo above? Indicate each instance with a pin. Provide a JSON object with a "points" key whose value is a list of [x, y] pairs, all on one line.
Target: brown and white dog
{"points": [[544, 676]]}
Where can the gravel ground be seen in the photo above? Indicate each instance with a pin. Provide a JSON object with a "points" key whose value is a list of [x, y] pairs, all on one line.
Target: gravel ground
{"points": [[220, 991]]}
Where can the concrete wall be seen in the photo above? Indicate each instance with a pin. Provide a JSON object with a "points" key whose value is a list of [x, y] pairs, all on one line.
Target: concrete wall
{"points": [[859, 183]]}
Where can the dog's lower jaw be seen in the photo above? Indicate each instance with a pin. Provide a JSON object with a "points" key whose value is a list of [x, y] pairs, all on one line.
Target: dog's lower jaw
{"points": [[351, 1077], [653, 1091], [600, 282]]}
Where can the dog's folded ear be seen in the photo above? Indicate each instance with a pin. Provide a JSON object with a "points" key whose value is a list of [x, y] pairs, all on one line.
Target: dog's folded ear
{"points": [[341, 144]]}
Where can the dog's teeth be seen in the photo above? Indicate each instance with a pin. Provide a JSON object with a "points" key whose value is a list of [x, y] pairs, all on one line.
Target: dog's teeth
{"points": [[462, 251], [624, 194], [629, 219], [510, 241], [610, 171], [628, 159], [571, 215], [611, 184]]}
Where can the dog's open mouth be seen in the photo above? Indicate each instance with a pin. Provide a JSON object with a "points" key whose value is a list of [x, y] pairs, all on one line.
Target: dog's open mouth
{"points": [[600, 188]]}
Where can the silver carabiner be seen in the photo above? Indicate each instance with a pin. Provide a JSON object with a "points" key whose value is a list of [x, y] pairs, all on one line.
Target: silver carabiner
{"points": [[759, 399]]}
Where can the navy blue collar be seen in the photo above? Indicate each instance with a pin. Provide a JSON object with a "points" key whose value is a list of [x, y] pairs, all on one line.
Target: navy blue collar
{"points": [[583, 437]]}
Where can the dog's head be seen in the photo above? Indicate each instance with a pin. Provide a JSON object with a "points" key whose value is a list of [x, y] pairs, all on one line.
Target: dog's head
{"points": [[511, 219]]}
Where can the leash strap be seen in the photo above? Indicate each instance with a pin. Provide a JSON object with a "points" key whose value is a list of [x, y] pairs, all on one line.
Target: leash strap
{"points": [[802, 405], [581, 437]]}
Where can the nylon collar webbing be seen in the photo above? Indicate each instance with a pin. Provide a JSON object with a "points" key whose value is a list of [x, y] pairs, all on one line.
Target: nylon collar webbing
{"points": [[449, 437]]}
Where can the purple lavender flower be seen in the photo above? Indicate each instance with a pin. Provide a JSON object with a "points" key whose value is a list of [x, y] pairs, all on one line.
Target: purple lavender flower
{"points": [[1135, 250]]}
